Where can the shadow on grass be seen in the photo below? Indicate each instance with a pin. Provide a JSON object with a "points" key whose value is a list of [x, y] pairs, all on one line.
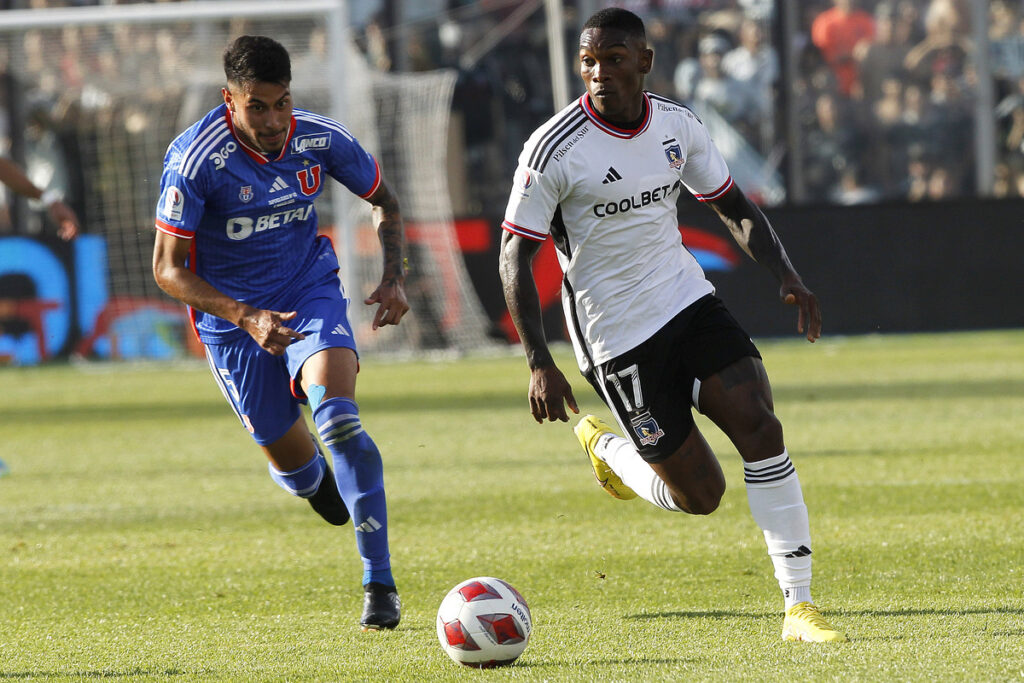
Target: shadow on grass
{"points": [[635, 661], [102, 673], [732, 614], [951, 612], [106, 411], [702, 614]]}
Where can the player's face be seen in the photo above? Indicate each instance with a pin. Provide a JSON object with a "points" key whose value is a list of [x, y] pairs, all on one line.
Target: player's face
{"points": [[261, 112], [613, 66]]}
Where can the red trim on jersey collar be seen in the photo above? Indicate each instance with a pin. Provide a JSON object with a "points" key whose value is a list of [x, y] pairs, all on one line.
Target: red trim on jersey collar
{"points": [[611, 128], [256, 155]]}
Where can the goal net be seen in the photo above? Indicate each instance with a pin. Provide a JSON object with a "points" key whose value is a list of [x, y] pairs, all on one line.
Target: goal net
{"points": [[103, 90]]}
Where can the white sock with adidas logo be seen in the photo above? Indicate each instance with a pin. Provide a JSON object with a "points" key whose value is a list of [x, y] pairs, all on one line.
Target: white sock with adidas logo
{"points": [[620, 455], [777, 504]]}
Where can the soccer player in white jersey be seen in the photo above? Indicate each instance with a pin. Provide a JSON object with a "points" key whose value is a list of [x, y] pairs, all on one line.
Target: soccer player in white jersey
{"points": [[237, 241], [601, 178]]}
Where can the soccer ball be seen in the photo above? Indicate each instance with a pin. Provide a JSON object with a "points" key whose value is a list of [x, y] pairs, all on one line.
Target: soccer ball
{"points": [[484, 622]]}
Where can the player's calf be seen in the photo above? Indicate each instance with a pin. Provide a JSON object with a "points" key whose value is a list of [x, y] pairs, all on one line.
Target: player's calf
{"points": [[315, 482], [360, 476]]}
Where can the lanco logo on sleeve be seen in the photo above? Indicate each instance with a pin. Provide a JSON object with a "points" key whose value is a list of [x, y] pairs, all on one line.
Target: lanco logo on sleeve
{"points": [[305, 143]]}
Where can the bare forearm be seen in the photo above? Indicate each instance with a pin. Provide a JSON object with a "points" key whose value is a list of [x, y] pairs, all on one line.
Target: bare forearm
{"points": [[13, 177], [754, 234], [387, 217], [523, 302], [187, 287]]}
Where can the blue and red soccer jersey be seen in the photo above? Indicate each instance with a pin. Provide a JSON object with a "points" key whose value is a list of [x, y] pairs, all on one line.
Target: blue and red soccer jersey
{"points": [[251, 218]]}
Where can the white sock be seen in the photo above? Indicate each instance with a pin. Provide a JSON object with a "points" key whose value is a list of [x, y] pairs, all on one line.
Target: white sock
{"points": [[619, 454], [777, 504]]}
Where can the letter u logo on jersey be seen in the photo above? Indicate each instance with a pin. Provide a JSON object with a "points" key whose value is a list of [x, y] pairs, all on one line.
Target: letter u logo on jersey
{"points": [[309, 179]]}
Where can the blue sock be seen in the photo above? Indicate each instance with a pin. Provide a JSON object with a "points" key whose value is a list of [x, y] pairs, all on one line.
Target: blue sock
{"points": [[360, 475], [304, 481]]}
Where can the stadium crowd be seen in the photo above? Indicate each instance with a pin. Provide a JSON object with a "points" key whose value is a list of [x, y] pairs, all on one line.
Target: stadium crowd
{"points": [[884, 95]]}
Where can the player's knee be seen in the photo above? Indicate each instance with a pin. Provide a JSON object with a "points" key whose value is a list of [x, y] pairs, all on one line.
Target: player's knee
{"points": [[704, 497], [702, 502]]}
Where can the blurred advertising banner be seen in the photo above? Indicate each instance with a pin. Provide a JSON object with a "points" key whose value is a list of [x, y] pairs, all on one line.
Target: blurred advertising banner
{"points": [[54, 303]]}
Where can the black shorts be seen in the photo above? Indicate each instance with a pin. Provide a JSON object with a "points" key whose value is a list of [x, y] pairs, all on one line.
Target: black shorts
{"points": [[651, 388]]}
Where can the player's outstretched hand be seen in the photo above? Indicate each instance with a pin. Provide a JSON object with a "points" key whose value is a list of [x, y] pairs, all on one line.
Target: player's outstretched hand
{"points": [[809, 318], [549, 394], [269, 330], [390, 295]]}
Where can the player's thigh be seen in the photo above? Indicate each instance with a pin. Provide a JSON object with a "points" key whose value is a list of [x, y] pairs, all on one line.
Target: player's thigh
{"points": [[738, 399], [332, 368], [257, 386], [327, 357]]}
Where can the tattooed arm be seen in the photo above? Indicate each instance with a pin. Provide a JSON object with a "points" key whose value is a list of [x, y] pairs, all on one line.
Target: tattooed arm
{"points": [[390, 294], [549, 391], [752, 231]]}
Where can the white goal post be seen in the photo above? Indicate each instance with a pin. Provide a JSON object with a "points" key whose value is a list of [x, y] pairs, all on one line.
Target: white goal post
{"points": [[116, 83]]}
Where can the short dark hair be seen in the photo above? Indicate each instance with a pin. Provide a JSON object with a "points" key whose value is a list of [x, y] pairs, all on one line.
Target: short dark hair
{"points": [[620, 19], [257, 59]]}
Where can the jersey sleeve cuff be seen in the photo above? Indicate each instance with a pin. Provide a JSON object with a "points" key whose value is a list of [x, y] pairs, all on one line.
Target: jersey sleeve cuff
{"points": [[376, 181], [711, 196], [174, 230], [523, 232]]}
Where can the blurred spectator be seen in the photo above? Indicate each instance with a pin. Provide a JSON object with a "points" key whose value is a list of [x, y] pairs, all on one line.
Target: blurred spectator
{"points": [[941, 183], [833, 145], [887, 160], [837, 32], [915, 182], [756, 64], [1006, 36], [1010, 117], [945, 48], [852, 188], [703, 84], [51, 199], [882, 58]]}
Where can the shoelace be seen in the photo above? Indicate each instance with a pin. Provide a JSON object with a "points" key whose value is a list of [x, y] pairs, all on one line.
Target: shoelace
{"points": [[811, 614]]}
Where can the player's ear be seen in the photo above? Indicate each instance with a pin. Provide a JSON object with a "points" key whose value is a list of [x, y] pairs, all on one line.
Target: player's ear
{"points": [[226, 94], [646, 60]]}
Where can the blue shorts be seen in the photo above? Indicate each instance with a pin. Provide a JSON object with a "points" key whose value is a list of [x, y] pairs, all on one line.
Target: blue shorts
{"points": [[263, 388]]}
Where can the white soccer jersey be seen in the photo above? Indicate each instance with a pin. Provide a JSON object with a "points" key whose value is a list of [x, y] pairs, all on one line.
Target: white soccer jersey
{"points": [[607, 196]]}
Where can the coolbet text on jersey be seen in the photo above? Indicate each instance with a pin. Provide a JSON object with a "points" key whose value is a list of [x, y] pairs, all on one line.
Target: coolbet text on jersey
{"points": [[600, 190]]}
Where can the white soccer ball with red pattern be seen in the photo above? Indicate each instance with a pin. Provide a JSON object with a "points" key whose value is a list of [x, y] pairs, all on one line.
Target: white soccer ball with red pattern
{"points": [[484, 622]]}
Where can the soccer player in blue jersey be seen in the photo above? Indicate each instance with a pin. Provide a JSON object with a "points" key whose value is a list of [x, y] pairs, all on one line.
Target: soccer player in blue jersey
{"points": [[237, 241]]}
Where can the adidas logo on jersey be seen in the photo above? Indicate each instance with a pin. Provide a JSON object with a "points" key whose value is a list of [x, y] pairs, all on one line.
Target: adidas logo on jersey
{"points": [[611, 176], [369, 526], [279, 184], [340, 329]]}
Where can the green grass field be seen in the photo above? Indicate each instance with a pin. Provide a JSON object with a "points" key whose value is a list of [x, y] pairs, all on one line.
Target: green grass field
{"points": [[141, 538]]}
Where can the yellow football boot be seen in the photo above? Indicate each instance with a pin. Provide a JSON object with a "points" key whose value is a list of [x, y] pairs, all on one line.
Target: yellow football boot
{"points": [[804, 622], [588, 431]]}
